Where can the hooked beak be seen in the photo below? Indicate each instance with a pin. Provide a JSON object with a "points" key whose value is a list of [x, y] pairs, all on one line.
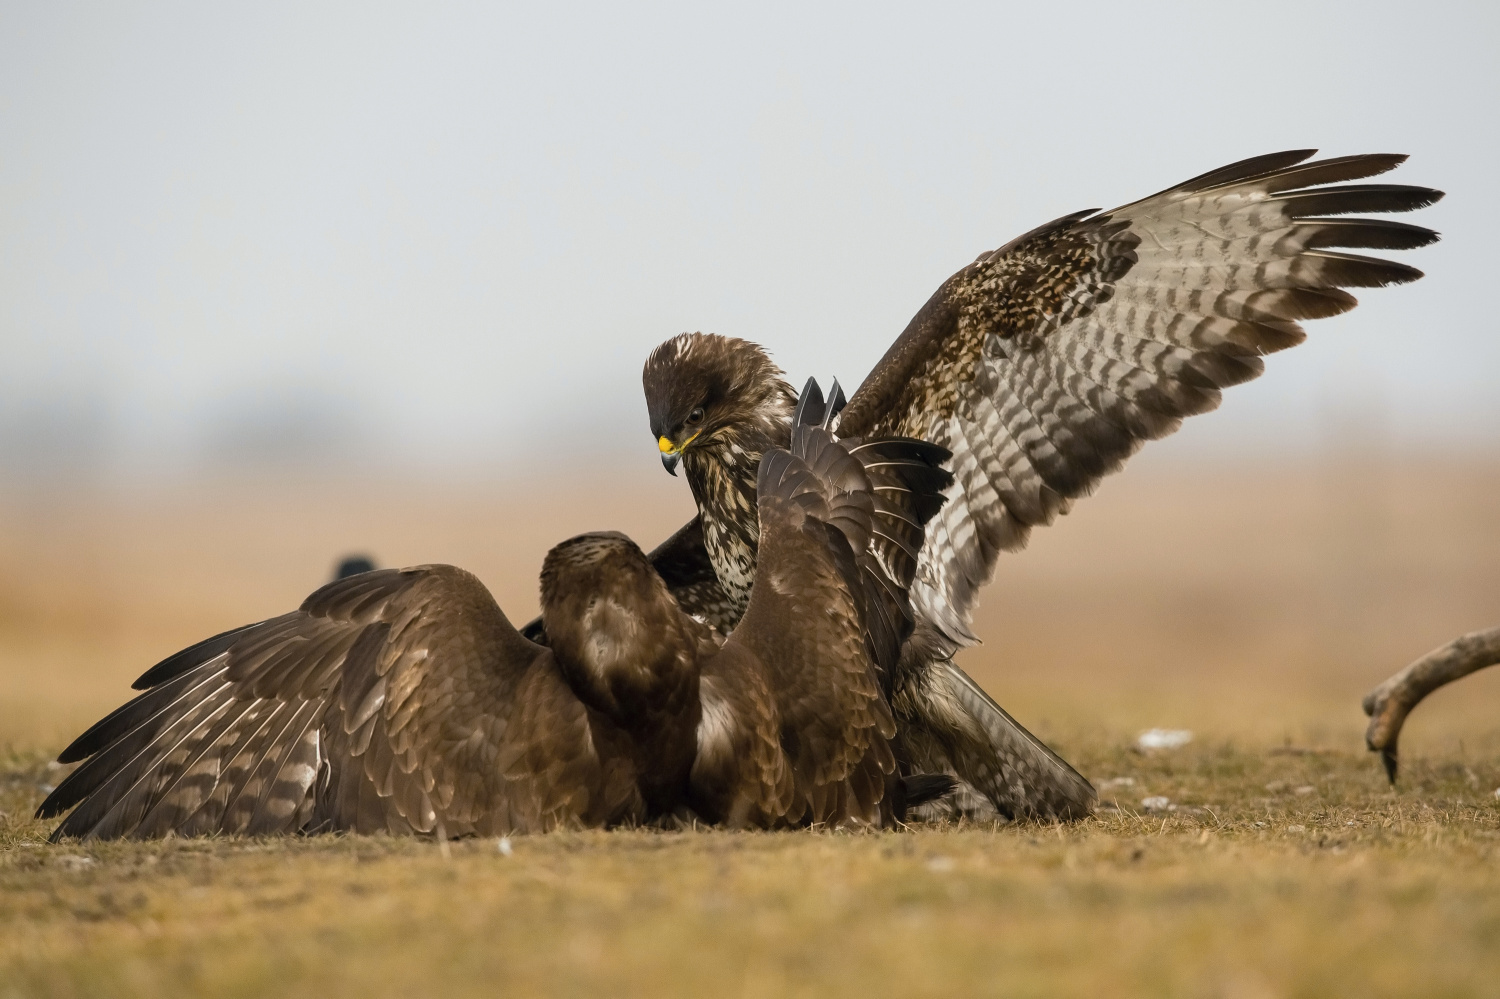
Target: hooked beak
{"points": [[670, 454]]}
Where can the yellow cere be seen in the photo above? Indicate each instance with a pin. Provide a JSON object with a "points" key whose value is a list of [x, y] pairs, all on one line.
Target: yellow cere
{"points": [[667, 447]]}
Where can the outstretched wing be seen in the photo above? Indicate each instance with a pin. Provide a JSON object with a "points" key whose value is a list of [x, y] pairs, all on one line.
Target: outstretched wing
{"points": [[1046, 363], [821, 577], [398, 700]]}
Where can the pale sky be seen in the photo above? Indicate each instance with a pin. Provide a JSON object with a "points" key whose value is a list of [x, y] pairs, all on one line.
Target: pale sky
{"points": [[450, 235]]}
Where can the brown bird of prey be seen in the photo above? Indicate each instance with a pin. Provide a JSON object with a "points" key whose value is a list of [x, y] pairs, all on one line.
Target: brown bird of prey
{"points": [[402, 700], [1042, 366]]}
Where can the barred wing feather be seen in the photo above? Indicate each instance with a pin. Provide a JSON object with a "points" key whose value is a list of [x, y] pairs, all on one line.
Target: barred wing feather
{"points": [[1045, 364]]}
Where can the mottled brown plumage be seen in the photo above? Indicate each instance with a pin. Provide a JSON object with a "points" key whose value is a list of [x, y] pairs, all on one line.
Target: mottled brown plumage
{"points": [[726, 397], [1042, 366], [403, 700]]}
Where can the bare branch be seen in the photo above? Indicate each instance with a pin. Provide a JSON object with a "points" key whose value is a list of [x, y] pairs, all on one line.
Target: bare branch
{"points": [[1390, 703]]}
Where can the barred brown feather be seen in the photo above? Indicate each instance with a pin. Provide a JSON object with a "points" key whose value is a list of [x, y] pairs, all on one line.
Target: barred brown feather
{"points": [[1042, 366]]}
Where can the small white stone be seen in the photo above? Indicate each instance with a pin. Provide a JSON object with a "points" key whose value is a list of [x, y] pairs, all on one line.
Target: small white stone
{"points": [[1164, 738], [1292, 829], [940, 865], [1114, 782], [1156, 803], [503, 845], [1305, 790]]}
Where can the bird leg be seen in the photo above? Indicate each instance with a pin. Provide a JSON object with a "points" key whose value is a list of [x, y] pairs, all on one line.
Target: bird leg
{"points": [[1390, 703]]}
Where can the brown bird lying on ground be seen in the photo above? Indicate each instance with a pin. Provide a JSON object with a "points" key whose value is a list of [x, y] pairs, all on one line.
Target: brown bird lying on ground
{"points": [[1042, 366], [404, 701]]}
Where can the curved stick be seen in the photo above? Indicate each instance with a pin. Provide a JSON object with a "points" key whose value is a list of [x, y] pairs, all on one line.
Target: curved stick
{"points": [[1390, 703]]}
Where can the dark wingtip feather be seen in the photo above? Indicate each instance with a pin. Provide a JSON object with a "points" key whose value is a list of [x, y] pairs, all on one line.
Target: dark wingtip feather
{"points": [[810, 406], [1350, 198], [91, 741], [180, 662], [1255, 166], [80, 748], [1365, 234], [50, 807], [1348, 270], [1287, 304], [1334, 171], [126, 717], [836, 403]]}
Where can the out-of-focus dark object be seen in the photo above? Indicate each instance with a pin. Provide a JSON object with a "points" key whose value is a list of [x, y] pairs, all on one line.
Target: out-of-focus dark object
{"points": [[1390, 703], [353, 565]]}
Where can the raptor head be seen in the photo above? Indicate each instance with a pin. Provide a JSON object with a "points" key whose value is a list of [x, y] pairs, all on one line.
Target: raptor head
{"points": [[702, 388], [610, 619]]}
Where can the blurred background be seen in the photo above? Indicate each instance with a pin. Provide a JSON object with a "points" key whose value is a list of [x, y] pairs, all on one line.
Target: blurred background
{"points": [[280, 283]]}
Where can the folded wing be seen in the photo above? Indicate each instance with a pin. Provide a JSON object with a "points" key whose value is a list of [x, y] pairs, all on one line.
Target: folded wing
{"points": [[796, 723]]}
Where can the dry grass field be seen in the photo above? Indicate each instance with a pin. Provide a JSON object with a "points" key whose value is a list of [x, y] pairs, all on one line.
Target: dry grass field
{"points": [[1253, 606]]}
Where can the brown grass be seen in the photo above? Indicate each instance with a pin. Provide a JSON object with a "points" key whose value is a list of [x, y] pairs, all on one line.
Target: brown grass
{"points": [[1253, 607]]}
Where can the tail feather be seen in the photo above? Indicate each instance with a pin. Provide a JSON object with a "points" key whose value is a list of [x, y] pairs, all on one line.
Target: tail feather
{"points": [[991, 751], [924, 788], [1039, 782]]}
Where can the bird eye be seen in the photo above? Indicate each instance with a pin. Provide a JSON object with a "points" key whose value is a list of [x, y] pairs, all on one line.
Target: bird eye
{"points": [[695, 417]]}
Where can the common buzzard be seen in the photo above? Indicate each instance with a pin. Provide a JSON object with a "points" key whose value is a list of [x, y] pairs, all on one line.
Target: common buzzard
{"points": [[1042, 366], [404, 700]]}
